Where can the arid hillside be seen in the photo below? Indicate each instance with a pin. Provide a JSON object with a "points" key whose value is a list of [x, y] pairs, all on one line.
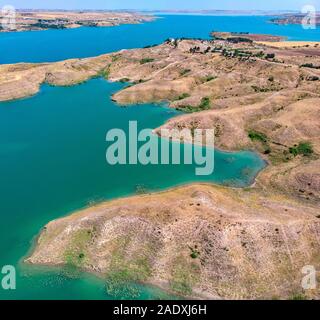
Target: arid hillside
{"points": [[255, 96], [201, 241], [204, 241]]}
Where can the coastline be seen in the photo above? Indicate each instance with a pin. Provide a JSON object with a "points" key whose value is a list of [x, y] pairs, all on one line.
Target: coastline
{"points": [[59, 20], [105, 59], [95, 212]]}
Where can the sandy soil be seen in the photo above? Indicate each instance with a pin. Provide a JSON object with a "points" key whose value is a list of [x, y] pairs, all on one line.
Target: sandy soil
{"points": [[290, 44]]}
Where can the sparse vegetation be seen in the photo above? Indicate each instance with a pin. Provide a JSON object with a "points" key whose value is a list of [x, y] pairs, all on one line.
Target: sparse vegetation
{"points": [[125, 273], [194, 49], [303, 148], [298, 296], [184, 276], [150, 46], [313, 78], [204, 105], [184, 72], [210, 78], [255, 135], [75, 254], [139, 81], [123, 80], [47, 24], [262, 138], [309, 65], [115, 57], [104, 73], [270, 56], [264, 89], [183, 96], [239, 40], [146, 60], [260, 54], [194, 253]]}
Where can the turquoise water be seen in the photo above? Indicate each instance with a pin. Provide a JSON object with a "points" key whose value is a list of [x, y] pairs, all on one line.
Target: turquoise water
{"points": [[53, 45], [52, 145], [53, 162]]}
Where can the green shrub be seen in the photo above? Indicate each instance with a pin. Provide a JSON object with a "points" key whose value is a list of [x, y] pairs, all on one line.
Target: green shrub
{"points": [[146, 60], [209, 78], [255, 135], [259, 54], [139, 81], [104, 73], [194, 253], [183, 96], [115, 58], [123, 80], [270, 56], [298, 296], [204, 105], [309, 65], [150, 46], [303, 148], [184, 72]]}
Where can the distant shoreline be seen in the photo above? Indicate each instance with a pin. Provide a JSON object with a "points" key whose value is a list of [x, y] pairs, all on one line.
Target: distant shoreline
{"points": [[38, 20]]}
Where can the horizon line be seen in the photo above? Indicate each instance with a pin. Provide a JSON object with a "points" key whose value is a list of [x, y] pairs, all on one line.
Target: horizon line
{"points": [[163, 10]]}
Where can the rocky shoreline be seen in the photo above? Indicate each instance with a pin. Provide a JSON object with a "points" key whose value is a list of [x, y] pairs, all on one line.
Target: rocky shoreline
{"points": [[191, 239]]}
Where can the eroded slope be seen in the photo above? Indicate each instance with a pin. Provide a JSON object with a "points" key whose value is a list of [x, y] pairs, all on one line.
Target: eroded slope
{"points": [[199, 240]]}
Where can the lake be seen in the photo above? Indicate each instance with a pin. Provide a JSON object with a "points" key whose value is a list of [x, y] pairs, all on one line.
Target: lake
{"points": [[54, 45]]}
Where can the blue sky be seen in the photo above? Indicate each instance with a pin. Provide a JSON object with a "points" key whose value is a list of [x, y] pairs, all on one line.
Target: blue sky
{"points": [[163, 4]]}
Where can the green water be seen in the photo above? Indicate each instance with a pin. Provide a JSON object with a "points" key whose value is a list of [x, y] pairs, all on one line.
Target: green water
{"points": [[52, 162]]}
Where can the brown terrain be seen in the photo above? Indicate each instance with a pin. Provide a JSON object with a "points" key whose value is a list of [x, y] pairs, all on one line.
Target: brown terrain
{"points": [[201, 241], [42, 20], [294, 19], [231, 36], [205, 241]]}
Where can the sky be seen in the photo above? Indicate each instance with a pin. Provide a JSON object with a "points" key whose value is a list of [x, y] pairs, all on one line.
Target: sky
{"points": [[163, 4]]}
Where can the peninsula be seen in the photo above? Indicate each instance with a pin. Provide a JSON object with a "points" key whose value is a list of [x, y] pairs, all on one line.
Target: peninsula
{"points": [[43, 20], [204, 240], [294, 19]]}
